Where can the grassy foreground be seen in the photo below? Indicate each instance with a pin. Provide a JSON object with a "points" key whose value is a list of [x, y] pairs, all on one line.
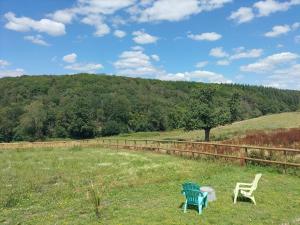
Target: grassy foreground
{"points": [[266, 123], [50, 186]]}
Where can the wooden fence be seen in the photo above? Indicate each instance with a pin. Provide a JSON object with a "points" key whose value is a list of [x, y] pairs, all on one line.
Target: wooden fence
{"points": [[242, 154]]}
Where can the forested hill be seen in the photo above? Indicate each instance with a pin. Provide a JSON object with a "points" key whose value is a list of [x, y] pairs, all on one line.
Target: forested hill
{"points": [[85, 106]]}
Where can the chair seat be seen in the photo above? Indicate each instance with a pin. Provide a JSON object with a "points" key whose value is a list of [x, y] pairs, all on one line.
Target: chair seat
{"points": [[245, 193]]}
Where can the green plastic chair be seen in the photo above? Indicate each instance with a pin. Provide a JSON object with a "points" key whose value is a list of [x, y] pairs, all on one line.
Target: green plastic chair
{"points": [[193, 196]]}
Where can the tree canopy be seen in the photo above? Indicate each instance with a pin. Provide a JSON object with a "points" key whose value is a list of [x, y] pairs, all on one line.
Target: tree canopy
{"points": [[85, 106]]}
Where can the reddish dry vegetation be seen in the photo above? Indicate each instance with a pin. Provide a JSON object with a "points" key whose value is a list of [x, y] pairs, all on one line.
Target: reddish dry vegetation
{"points": [[288, 138]]}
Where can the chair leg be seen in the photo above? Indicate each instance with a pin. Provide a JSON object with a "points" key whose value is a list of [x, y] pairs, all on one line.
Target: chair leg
{"points": [[236, 193], [253, 200], [206, 202], [184, 207], [199, 208]]}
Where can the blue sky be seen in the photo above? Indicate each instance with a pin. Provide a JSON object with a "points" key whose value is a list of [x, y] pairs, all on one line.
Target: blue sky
{"points": [[219, 41]]}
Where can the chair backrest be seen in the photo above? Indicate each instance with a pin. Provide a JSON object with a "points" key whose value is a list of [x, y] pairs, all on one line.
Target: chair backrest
{"points": [[192, 196], [190, 186], [255, 182]]}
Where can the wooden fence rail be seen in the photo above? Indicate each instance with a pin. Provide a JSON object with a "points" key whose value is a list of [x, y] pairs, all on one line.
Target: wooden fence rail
{"points": [[285, 157]]}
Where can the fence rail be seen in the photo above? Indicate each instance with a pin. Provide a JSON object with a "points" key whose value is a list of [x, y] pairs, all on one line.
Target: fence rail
{"points": [[285, 157]]}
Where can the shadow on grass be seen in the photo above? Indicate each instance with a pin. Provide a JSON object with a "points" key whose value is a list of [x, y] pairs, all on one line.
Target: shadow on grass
{"points": [[189, 207], [242, 199]]}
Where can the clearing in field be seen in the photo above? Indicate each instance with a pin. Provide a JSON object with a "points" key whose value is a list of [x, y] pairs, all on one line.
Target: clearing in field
{"points": [[48, 186]]}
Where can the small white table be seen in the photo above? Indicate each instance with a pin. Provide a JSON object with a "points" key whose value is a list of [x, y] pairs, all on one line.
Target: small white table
{"points": [[211, 194]]}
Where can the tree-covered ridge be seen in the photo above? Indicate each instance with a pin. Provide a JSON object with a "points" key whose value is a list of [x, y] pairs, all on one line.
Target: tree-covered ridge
{"points": [[85, 106]]}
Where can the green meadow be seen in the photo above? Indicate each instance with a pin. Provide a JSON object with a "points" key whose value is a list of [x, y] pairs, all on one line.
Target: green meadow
{"points": [[51, 186]]}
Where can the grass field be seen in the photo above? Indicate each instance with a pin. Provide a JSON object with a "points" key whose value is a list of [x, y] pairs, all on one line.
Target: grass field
{"points": [[269, 122], [50, 186]]}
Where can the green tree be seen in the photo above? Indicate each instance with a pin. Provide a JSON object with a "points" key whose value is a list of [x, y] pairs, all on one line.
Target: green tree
{"points": [[33, 122], [205, 112], [234, 106]]}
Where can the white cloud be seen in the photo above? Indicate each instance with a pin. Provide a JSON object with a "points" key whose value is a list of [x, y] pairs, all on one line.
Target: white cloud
{"points": [[260, 9], [3, 63], [212, 36], [119, 33], [197, 75], [140, 37], [172, 10], [84, 67], [279, 70], [270, 62], [265, 8], [242, 15], [295, 26], [37, 39], [155, 57], [201, 64], [102, 6], [64, 16], [278, 30], [25, 24], [97, 21], [136, 63], [218, 52], [70, 58], [223, 62], [11, 73], [297, 39], [242, 53]]}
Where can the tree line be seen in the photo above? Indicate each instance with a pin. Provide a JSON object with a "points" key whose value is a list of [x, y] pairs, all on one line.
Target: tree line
{"points": [[86, 106]]}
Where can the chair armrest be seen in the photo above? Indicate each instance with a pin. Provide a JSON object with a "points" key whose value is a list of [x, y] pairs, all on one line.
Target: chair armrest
{"points": [[244, 184], [244, 188]]}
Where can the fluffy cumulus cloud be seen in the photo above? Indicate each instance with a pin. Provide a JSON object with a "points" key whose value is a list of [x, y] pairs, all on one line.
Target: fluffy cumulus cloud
{"points": [[260, 9], [25, 24], [270, 62], [241, 53], [4, 72], [197, 75], [218, 52], [70, 58], [282, 29], [242, 15], [12, 73], [223, 62], [238, 53], [281, 70], [3, 63], [201, 64], [84, 67], [37, 39], [141, 37], [119, 33], [172, 10], [136, 63], [210, 36], [155, 57], [96, 21]]}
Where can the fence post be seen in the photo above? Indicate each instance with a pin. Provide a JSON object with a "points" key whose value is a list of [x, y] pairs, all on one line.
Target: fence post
{"points": [[242, 156], [285, 160], [246, 155], [134, 144]]}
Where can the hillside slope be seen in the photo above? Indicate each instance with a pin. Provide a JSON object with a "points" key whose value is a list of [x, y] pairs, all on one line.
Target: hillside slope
{"points": [[87, 106], [263, 123]]}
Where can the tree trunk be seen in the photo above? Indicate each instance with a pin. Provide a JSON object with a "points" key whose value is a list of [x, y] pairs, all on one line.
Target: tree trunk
{"points": [[207, 132]]}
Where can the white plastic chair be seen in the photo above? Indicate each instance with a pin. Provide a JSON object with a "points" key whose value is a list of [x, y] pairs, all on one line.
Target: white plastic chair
{"points": [[246, 189]]}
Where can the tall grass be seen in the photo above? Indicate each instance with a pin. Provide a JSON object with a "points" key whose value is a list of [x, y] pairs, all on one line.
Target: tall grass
{"points": [[289, 138]]}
